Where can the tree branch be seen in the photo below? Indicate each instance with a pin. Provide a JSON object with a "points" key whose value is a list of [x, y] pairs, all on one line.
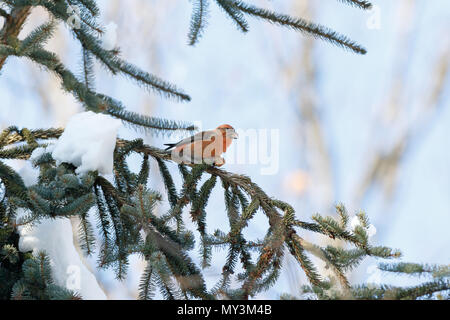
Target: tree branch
{"points": [[13, 26]]}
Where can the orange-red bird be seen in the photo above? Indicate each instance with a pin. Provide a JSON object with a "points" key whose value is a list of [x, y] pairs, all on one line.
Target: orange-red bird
{"points": [[204, 147]]}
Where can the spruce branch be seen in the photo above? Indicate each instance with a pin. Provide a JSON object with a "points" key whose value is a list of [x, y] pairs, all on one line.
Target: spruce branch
{"points": [[86, 235], [12, 27], [150, 81], [91, 6], [299, 24], [37, 38], [98, 102], [147, 284], [236, 16], [148, 124], [416, 269], [88, 69], [362, 4], [388, 292], [120, 214], [198, 20]]}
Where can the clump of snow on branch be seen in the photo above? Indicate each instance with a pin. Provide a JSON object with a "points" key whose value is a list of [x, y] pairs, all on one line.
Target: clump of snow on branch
{"points": [[88, 142], [55, 238], [29, 174], [38, 152], [371, 230], [375, 275]]}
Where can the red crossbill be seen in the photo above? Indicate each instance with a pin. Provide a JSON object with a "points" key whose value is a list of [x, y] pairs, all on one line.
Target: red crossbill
{"points": [[204, 147]]}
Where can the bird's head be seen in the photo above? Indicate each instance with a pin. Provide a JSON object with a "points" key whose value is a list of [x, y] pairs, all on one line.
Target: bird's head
{"points": [[228, 131]]}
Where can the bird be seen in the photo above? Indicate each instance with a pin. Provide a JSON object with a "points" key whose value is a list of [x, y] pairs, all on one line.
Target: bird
{"points": [[204, 147]]}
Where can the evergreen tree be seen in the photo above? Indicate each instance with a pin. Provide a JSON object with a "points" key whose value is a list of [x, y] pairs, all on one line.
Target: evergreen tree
{"points": [[125, 209]]}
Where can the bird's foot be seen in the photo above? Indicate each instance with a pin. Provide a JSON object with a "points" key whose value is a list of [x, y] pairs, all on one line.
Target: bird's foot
{"points": [[218, 162]]}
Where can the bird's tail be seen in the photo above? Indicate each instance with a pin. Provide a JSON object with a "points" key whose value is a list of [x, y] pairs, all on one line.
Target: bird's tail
{"points": [[169, 146]]}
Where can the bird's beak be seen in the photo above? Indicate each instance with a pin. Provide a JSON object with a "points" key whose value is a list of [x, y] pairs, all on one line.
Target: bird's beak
{"points": [[235, 135]]}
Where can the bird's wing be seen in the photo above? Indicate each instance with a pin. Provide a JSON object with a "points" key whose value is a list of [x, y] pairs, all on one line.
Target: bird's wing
{"points": [[204, 135]]}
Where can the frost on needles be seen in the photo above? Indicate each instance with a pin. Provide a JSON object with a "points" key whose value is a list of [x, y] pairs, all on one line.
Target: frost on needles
{"points": [[67, 177]]}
